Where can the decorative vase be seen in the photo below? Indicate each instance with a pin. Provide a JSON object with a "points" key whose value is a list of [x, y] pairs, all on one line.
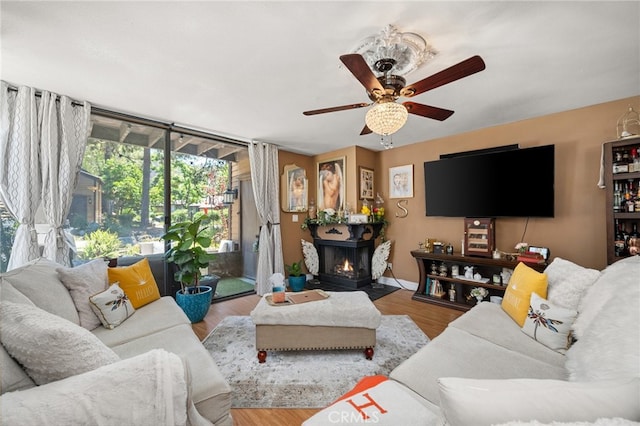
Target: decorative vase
{"points": [[479, 298], [297, 283], [195, 304]]}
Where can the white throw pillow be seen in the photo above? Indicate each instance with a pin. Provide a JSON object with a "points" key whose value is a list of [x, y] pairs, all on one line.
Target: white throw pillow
{"points": [[388, 403], [487, 402], [49, 347], [615, 278], [568, 282], [83, 281], [112, 306], [549, 324], [610, 347]]}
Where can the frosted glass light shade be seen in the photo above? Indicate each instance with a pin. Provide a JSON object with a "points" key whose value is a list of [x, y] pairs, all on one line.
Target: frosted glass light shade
{"points": [[386, 118]]}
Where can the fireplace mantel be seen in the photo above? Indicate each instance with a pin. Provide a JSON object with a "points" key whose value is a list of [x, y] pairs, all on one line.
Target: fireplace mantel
{"points": [[346, 231]]}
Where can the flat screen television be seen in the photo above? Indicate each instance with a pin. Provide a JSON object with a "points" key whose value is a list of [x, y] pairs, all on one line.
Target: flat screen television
{"points": [[492, 183]]}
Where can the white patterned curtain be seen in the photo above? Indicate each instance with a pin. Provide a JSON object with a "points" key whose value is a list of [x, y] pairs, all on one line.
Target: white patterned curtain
{"points": [[264, 176], [20, 181], [65, 128], [42, 142]]}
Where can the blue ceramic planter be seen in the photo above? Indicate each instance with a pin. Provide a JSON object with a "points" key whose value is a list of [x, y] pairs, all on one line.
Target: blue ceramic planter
{"points": [[297, 283], [195, 305]]}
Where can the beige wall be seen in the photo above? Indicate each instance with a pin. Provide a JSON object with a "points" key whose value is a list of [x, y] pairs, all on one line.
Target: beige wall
{"points": [[577, 232]]}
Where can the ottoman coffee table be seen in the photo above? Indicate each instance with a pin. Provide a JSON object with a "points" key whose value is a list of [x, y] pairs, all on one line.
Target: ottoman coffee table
{"points": [[343, 320]]}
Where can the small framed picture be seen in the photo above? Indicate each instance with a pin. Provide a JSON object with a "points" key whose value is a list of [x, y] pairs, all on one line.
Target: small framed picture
{"points": [[401, 181], [366, 184], [295, 190]]}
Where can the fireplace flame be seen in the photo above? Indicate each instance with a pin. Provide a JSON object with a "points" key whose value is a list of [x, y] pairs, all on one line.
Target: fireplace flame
{"points": [[347, 266]]}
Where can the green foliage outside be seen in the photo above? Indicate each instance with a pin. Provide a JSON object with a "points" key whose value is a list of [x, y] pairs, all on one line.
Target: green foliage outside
{"points": [[100, 244]]}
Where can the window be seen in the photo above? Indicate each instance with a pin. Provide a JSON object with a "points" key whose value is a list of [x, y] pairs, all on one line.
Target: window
{"points": [[121, 199]]}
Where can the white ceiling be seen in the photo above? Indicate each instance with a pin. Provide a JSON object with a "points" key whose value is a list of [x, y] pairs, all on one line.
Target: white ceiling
{"points": [[249, 69]]}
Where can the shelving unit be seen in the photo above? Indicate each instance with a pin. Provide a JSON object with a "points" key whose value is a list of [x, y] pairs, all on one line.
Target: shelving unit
{"points": [[625, 218], [486, 267]]}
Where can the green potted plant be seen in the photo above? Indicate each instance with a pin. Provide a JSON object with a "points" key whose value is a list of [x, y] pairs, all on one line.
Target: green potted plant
{"points": [[188, 256], [297, 278]]}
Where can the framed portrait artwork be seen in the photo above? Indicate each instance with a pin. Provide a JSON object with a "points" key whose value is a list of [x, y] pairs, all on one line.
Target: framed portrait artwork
{"points": [[331, 184], [401, 181], [366, 183], [294, 189]]}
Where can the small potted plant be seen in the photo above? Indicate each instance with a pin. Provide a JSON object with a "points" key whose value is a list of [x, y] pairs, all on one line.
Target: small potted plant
{"points": [[188, 256], [297, 278]]}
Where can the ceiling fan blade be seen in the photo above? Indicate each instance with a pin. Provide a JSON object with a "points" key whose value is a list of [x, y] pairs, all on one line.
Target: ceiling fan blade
{"points": [[365, 130], [360, 69], [453, 73], [428, 111], [338, 108]]}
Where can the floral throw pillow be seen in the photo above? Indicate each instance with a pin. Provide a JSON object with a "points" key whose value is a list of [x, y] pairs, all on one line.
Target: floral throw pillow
{"points": [[112, 306], [549, 324]]}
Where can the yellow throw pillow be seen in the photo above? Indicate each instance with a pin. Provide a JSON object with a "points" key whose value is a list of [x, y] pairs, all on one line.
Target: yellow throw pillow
{"points": [[523, 282], [137, 282]]}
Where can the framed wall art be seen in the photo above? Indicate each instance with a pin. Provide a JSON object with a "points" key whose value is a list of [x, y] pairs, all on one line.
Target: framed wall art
{"points": [[331, 184], [294, 189], [401, 181], [366, 183]]}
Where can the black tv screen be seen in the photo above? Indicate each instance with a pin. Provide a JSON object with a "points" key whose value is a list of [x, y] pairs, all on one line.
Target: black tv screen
{"points": [[503, 183]]}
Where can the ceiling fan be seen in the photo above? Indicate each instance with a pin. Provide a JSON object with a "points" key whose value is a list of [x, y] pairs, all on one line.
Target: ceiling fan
{"points": [[386, 89]]}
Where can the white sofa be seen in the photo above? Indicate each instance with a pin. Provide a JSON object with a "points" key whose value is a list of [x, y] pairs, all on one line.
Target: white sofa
{"points": [[159, 325], [483, 369]]}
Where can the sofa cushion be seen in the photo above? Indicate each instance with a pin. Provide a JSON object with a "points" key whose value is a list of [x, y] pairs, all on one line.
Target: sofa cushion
{"points": [[457, 353], [137, 281], [522, 283], [83, 281], [487, 402], [149, 319], [49, 347], [489, 322], [610, 347], [112, 306], [38, 280], [13, 376], [568, 282], [549, 324], [621, 274], [210, 391]]}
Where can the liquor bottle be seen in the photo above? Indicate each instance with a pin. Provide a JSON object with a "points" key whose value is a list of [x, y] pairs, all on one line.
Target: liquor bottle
{"points": [[637, 200], [636, 161], [617, 197], [633, 160], [619, 243], [620, 164]]}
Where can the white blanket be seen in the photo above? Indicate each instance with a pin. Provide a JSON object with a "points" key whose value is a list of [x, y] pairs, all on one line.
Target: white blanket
{"points": [[149, 389]]}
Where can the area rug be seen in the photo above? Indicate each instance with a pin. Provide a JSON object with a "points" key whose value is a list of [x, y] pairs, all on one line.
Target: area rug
{"points": [[304, 379]]}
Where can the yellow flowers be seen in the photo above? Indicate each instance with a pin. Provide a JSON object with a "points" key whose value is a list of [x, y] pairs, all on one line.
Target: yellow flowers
{"points": [[365, 210]]}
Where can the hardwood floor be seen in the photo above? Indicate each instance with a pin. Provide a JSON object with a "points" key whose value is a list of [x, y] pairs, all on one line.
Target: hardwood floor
{"points": [[431, 319]]}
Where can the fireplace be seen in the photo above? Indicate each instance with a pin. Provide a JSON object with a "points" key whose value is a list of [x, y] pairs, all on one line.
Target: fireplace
{"points": [[345, 252], [347, 263]]}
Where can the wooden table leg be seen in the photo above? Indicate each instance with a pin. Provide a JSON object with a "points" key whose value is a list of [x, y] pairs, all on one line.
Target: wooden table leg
{"points": [[262, 356], [368, 353]]}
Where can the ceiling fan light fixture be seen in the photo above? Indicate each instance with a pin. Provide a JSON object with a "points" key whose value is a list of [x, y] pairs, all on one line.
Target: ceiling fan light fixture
{"points": [[386, 118]]}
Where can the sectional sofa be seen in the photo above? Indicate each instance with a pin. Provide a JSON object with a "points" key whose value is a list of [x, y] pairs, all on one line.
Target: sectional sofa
{"points": [[36, 302], [488, 369]]}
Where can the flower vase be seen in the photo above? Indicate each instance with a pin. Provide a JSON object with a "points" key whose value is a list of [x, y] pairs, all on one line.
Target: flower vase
{"points": [[479, 298]]}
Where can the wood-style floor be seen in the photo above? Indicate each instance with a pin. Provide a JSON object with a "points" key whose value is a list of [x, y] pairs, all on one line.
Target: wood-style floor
{"points": [[431, 319]]}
